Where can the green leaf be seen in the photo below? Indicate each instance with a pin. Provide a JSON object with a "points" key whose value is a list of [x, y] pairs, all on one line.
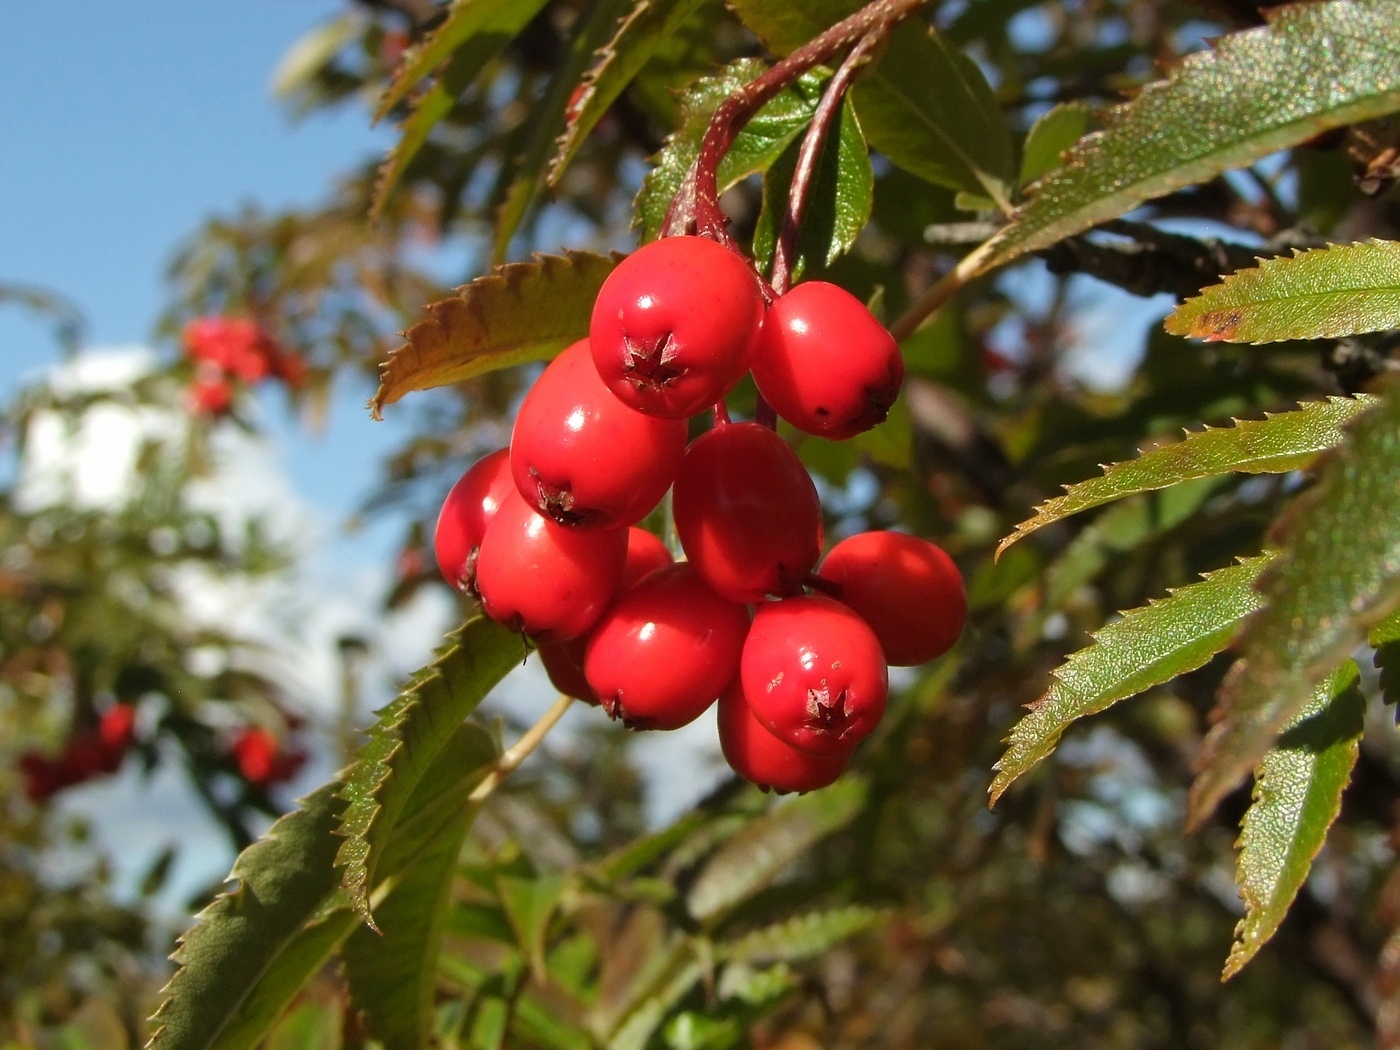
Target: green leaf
{"points": [[1276, 444], [1324, 293], [636, 40], [250, 951], [924, 104], [393, 975], [406, 738], [529, 905], [641, 853], [753, 858], [636, 1031], [547, 121], [838, 205], [1313, 67], [1050, 136], [757, 145], [1297, 795], [802, 937], [296, 74], [1148, 646], [522, 312], [1385, 639], [1338, 573]]}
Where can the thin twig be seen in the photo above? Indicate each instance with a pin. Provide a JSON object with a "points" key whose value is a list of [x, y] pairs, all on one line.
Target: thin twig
{"points": [[513, 756]]}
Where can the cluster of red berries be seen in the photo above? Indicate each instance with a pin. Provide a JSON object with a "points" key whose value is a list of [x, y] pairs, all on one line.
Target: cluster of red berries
{"points": [[229, 351], [89, 753], [544, 533]]}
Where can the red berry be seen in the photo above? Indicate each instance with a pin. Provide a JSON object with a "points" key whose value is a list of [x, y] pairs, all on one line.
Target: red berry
{"points": [[236, 345], [582, 457], [254, 751], [42, 778], [814, 674], [761, 758], [664, 649], [645, 553], [824, 362], [209, 395], [115, 730], [563, 662], [468, 509], [674, 325], [548, 580], [907, 589], [747, 513]]}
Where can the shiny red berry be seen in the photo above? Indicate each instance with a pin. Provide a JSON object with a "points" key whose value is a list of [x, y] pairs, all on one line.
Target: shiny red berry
{"points": [[582, 457], [645, 552], [824, 362], [468, 509], [549, 581], [907, 589], [665, 648], [747, 513], [761, 758], [814, 674], [674, 325], [563, 663]]}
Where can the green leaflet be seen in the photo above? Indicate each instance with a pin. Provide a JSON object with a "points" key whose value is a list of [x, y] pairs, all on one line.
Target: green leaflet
{"points": [[529, 904], [406, 738], [1313, 67], [1148, 646], [1385, 639], [802, 937], [1324, 293], [1297, 795], [1337, 574], [758, 854], [925, 104], [838, 204], [757, 145], [636, 40], [1276, 444], [393, 975], [522, 312], [1050, 136]]}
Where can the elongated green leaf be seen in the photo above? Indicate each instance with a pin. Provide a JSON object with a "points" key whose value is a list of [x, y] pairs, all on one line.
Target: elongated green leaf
{"points": [[529, 905], [758, 854], [1050, 138], [406, 738], [1385, 639], [757, 145], [1323, 293], [393, 975], [641, 853], [1276, 444], [924, 104], [471, 35], [1297, 795], [522, 312], [636, 1031], [547, 121], [803, 937], [1313, 67], [256, 944], [1338, 573], [636, 40], [428, 111], [1148, 646], [838, 207]]}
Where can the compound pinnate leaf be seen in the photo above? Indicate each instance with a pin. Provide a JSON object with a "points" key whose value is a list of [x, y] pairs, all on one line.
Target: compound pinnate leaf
{"points": [[526, 311], [1148, 646], [1323, 293], [1313, 67], [1337, 574], [636, 40], [1276, 444], [803, 937], [251, 949], [406, 738], [1297, 795], [924, 104], [753, 858], [757, 145]]}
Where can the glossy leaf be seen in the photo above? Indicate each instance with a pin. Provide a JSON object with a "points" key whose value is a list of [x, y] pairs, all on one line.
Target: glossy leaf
{"points": [[924, 103], [392, 975], [1338, 573], [1297, 795], [1276, 444], [803, 937], [753, 858], [838, 205], [1050, 137], [405, 739], [636, 40], [522, 312], [1148, 646], [1313, 67], [757, 145], [1324, 293]]}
